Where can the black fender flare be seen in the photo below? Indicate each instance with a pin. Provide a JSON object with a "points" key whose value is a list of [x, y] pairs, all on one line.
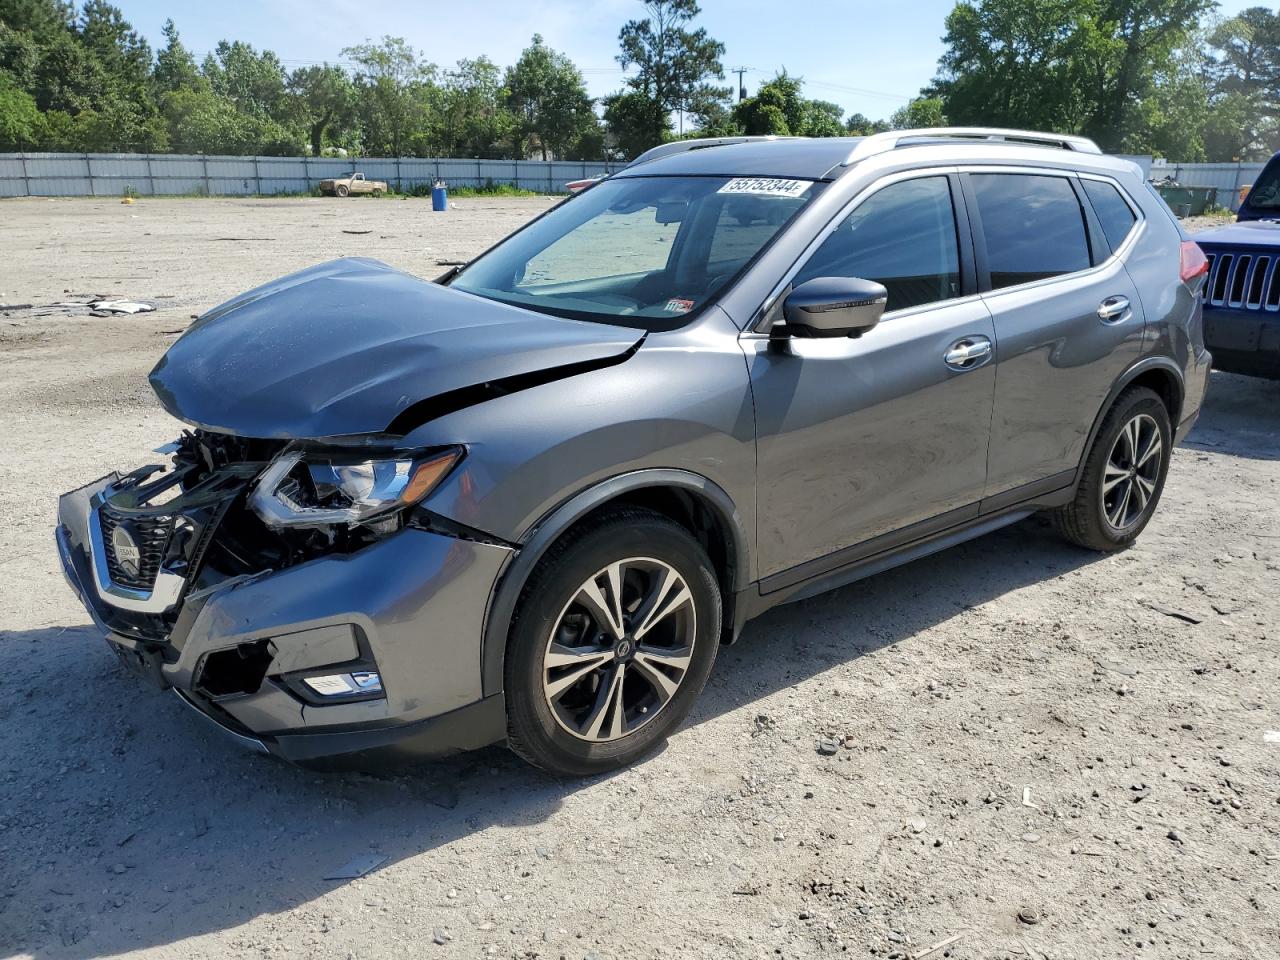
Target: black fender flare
{"points": [[1144, 365], [545, 532]]}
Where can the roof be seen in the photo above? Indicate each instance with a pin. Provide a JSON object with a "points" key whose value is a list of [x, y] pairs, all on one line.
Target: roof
{"points": [[826, 158], [681, 146], [802, 159]]}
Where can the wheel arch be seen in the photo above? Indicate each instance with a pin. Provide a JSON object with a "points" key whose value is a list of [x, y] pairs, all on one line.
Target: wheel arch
{"points": [[695, 502], [1158, 373]]}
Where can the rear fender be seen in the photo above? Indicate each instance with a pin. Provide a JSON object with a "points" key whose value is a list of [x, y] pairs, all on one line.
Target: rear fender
{"points": [[1122, 383]]}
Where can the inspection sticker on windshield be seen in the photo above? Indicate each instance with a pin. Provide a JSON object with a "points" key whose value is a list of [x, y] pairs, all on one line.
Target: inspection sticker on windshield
{"points": [[766, 186], [678, 305]]}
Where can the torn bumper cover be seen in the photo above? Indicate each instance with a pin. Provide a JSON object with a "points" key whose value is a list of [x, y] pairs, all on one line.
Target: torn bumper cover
{"points": [[374, 653]]}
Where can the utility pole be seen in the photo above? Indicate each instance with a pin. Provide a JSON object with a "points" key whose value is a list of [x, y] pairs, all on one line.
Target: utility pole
{"points": [[742, 91]]}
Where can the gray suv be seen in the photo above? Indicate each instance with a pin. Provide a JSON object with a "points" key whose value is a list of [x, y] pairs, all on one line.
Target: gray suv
{"points": [[527, 502]]}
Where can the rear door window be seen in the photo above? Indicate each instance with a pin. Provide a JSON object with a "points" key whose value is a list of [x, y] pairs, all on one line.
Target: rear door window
{"points": [[1033, 227], [904, 237], [1115, 215]]}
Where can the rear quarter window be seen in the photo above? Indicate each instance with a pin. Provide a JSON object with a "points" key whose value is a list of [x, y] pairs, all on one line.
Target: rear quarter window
{"points": [[1114, 213], [1032, 225]]}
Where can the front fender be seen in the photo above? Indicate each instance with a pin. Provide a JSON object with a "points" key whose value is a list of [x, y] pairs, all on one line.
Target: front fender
{"points": [[682, 401], [678, 413]]}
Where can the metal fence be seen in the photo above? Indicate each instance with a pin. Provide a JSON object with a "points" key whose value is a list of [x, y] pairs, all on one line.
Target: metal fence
{"points": [[113, 174], [1229, 178]]}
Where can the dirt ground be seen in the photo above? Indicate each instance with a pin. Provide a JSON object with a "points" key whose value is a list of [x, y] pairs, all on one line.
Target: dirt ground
{"points": [[1049, 753]]}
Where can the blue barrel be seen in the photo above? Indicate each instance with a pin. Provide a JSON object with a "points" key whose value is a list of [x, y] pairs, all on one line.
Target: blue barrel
{"points": [[439, 196]]}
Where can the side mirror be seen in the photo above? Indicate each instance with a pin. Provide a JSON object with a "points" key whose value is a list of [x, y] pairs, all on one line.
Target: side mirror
{"points": [[834, 307]]}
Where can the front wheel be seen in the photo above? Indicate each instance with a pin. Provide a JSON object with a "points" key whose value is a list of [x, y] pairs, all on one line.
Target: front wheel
{"points": [[1124, 475], [614, 637], [342, 190]]}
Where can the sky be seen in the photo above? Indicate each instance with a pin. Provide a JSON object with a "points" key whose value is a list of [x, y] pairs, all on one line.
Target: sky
{"points": [[869, 56]]}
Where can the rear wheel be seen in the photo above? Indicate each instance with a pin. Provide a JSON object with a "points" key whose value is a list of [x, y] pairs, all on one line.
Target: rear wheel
{"points": [[376, 192], [613, 640], [1123, 476]]}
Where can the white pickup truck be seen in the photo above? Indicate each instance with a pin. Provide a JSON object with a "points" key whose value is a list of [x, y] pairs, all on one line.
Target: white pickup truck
{"points": [[352, 183]]}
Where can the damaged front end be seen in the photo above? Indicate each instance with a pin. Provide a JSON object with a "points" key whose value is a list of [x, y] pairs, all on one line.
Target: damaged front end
{"points": [[290, 591]]}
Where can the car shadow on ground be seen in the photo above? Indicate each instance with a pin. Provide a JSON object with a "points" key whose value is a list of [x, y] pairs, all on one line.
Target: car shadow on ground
{"points": [[1240, 418], [142, 827], [128, 824]]}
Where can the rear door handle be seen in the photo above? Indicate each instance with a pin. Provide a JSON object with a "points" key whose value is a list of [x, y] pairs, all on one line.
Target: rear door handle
{"points": [[968, 353], [1115, 310]]}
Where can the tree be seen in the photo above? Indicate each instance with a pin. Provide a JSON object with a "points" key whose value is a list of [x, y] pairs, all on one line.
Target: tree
{"points": [[673, 68], [1145, 34], [110, 39], [627, 118], [780, 108], [920, 113], [21, 126], [322, 97], [175, 67], [201, 121], [549, 100], [1081, 66], [1010, 63], [40, 18], [859, 125], [475, 120], [395, 89], [1244, 67], [254, 82]]}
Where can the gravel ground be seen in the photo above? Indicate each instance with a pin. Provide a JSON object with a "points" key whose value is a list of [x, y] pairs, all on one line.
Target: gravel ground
{"points": [[1042, 752]]}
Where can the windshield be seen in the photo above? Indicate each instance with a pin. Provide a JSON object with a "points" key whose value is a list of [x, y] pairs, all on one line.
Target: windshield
{"points": [[638, 251], [1266, 192]]}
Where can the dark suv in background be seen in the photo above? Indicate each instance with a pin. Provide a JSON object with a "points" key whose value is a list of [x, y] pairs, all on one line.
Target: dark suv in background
{"points": [[1242, 295], [528, 502]]}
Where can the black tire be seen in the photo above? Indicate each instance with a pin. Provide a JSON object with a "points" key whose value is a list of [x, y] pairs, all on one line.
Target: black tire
{"points": [[549, 606], [376, 192], [342, 190], [1088, 521]]}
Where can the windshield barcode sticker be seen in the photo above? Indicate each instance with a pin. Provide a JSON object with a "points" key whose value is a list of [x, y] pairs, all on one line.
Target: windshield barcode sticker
{"points": [[766, 186]]}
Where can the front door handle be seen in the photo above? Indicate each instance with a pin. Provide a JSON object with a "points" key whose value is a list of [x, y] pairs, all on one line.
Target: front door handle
{"points": [[968, 353], [1115, 310]]}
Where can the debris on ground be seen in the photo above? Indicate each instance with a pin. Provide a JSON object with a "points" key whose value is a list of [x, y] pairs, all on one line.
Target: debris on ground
{"points": [[122, 306], [1175, 614], [940, 945], [357, 866]]}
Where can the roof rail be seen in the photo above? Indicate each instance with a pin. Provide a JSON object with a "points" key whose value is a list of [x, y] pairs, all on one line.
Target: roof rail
{"points": [[684, 146], [884, 142]]}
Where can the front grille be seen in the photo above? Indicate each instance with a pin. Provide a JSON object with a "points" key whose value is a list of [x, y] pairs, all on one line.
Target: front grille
{"points": [[152, 538], [1243, 281]]}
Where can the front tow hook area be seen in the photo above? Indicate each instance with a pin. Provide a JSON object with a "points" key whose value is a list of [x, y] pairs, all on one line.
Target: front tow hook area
{"points": [[144, 662]]}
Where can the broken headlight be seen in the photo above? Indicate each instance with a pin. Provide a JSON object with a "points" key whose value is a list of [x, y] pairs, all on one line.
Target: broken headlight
{"points": [[308, 489]]}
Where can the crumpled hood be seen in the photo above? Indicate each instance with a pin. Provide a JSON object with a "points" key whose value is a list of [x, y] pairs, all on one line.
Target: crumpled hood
{"points": [[343, 347], [1265, 233]]}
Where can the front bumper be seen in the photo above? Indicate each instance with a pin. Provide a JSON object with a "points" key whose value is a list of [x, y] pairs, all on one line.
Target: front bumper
{"points": [[1243, 341], [412, 606]]}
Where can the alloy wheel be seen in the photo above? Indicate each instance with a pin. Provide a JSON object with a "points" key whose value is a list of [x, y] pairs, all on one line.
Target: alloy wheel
{"points": [[619, 649], [1132, 472]]}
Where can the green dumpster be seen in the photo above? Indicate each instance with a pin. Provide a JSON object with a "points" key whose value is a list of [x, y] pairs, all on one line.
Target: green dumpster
{"points": [[1193, 201]]}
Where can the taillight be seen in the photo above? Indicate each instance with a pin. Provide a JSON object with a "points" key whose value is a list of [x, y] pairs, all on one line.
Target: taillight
{"points": [[1194, 262]]}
